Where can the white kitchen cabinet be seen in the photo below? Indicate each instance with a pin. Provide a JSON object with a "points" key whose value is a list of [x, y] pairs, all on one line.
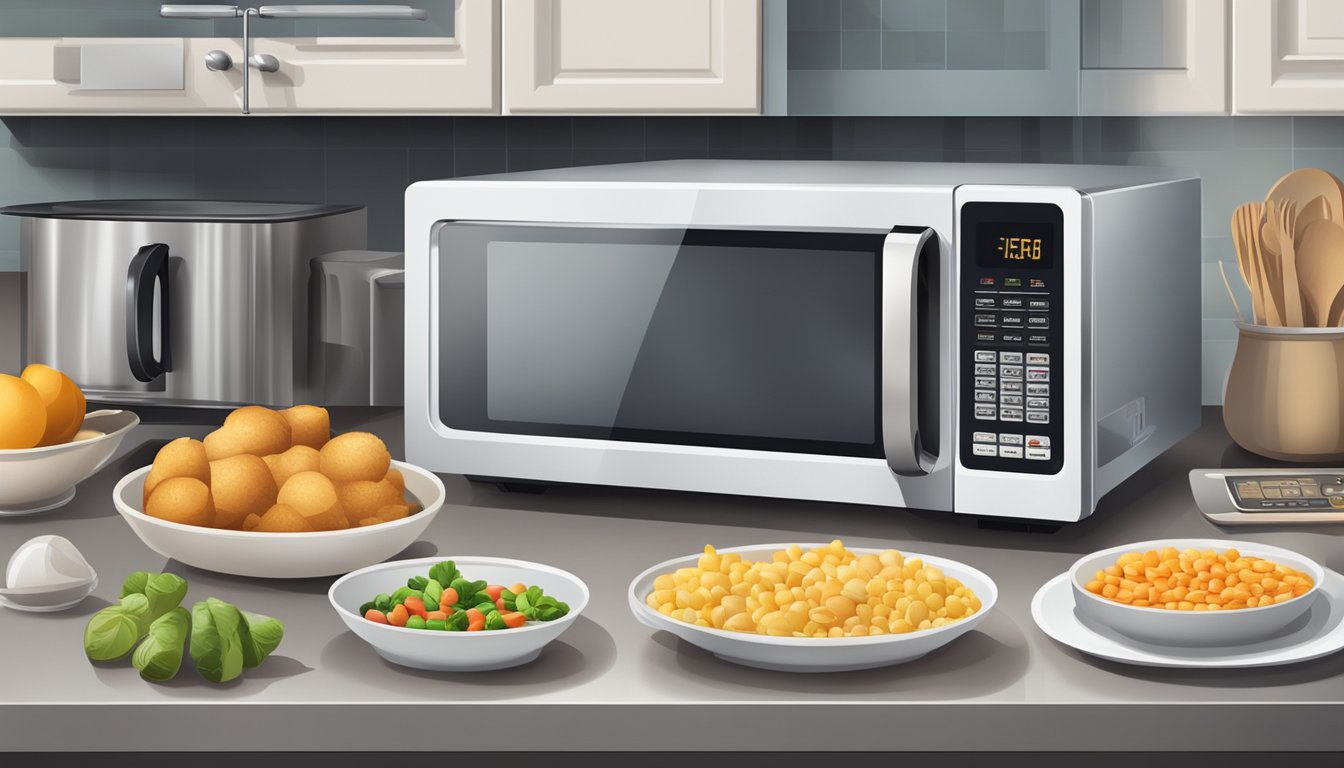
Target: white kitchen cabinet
{"points": [[1287, 56], [1154, 57], [624, 56]]}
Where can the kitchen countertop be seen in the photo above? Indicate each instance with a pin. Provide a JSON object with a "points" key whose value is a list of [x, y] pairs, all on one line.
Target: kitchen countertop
{"points": [[610, 683]]}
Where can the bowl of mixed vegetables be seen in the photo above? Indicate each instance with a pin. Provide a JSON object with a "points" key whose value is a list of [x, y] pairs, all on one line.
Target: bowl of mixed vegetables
{"points": [[458, 614]]}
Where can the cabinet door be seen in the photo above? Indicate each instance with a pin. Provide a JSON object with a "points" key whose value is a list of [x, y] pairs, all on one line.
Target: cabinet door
{"points": [[632, 56], [78, 75], [932, 57], [1288, 56], [1153, 57], [323, 73]]}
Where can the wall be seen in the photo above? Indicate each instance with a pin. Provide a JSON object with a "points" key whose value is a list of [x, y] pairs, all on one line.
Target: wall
{"points": [[371, 160]]}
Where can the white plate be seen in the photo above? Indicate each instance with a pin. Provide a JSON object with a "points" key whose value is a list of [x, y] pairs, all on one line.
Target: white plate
{"points": [[35, 480], [1319, 633], [813, 654], [457, 651], [36, 602], [281, 555]]}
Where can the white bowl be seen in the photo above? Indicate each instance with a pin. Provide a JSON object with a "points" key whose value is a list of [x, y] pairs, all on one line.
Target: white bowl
{"points": [[813, 654], [38, 479], [457, 651], [1192, 628], [281, 555]]}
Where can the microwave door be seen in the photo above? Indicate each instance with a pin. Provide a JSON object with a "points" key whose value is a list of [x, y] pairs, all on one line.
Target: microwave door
{"points": [[904, 313]]}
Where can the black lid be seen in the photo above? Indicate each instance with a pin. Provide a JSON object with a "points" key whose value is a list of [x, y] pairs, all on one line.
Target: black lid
{"points": [[177, 210]]}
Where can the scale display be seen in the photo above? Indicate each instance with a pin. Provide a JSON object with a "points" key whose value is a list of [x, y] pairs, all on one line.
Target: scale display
{"points": [[1280, 493]]}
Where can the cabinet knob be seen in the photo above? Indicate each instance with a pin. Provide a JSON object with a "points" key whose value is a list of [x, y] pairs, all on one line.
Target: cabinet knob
{"points": [[218, 61], [265, 62]]}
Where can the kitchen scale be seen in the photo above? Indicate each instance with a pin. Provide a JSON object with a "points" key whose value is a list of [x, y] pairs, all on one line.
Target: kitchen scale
{"points": [[1269, 496]]}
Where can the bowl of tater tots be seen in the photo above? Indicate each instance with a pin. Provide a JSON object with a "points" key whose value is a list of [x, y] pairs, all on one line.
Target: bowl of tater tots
{"points": [[273, 494]]}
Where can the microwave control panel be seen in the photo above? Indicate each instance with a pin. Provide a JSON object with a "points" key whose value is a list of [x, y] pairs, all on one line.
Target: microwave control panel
{"points": [[1012, 350]]}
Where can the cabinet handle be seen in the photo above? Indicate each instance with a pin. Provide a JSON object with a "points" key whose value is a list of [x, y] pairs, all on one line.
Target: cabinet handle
{"points": [[199, 11], [403, 12]]}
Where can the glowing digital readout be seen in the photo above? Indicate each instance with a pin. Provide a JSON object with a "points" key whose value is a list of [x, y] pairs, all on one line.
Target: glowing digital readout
{"points": [[1020, 248], [1014, 245]]}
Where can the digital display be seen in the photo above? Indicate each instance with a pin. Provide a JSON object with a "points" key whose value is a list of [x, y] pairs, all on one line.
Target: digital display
{"points": [[1009, 245]]}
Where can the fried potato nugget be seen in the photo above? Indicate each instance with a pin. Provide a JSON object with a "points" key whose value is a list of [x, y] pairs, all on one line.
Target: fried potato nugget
{"points": [[395, 477], [182, 457], [314, 496], [242, 485], [300, 458], [393, 512], [283, 518], [250, 429], [309, 425], [362, 499], [184, 500], [355, 456]]}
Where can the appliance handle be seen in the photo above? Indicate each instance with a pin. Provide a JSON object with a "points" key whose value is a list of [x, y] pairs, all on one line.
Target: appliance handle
{"points": [[900, 353], [149, 264]]}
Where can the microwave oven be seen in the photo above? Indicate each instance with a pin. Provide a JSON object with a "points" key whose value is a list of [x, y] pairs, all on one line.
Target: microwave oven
{"points": [[997, 340]]}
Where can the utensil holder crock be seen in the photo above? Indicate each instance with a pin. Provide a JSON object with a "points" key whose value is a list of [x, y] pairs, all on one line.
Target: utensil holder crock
{"points": [[1283, 397]]}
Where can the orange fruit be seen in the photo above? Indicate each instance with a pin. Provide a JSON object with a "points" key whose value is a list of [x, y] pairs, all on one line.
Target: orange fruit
{"points": [[63, 400], [23, 415]]}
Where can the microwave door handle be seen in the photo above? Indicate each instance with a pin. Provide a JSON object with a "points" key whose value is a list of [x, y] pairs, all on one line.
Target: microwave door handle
{"points": [[900, 353], [149, 264]]}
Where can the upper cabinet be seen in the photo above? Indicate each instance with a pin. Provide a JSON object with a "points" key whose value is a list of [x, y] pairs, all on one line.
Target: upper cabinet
{"points": [[1146, 57], [932, 57], [336, 57], [613, 56], [1288, 56]]}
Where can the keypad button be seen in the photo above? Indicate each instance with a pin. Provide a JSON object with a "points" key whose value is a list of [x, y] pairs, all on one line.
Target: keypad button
{"points": [[984, 437], [1008, 438], [1038, 374], [1010, 371], [986, 338], [984, 302], [985, 450], [985, 321], [1038, 321], [1010, 414], [983, 356], [1010, 386], [1012, 338], [1012, 282], [1006, 399], [1038, 417], [1038, 402], [1036, 390], [984, 396], [1038, 338], [1038, 454], [1010, 451], [1010, 357], [1012, 302], [986, 412], [1012, 320], [1038, 358], [1038, 304], [1038, 441], [985, 370], [985, 382]]}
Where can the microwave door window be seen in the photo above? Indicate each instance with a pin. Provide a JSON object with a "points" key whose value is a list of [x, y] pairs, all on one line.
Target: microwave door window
{"points": [[758, 340]]}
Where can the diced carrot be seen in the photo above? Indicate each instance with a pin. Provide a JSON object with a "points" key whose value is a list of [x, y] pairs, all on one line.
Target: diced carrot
{"points": [[514, 620], [499, 603], [475, 620], [493, 590], [449, 597], [376, 616], [398, 616], [432, 615], [415, 605]]}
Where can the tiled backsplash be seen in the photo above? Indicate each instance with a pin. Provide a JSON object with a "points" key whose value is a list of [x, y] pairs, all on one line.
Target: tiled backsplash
{"points": [[371, 160]]}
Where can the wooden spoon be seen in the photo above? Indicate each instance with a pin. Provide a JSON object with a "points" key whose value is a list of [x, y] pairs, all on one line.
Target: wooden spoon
{"points": [[1318, 209], [1320, 269], [1284, 217], [1304, 185]]}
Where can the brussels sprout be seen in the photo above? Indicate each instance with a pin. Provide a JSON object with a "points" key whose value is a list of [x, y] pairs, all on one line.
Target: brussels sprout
{"points": [[216, 645], [165, 592], [260, 635], [445, 573], [417, 582], [159, 657], [112, 632], [135, 584]]}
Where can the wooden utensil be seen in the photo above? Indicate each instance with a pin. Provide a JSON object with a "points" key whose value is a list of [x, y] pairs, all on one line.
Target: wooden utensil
{"points": [[1320, 269], [1245, 230], [1305, 184], [1318, 209], [1337, 310], [1284, 218]]}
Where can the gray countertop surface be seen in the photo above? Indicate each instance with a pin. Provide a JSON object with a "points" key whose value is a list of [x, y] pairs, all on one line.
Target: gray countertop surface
{"points": [[610, 683]]}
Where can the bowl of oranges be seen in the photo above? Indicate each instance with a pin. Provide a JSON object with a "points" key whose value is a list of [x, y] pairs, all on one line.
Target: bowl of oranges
{"points": [[48, 444], [1195, 592], [272, 494]]}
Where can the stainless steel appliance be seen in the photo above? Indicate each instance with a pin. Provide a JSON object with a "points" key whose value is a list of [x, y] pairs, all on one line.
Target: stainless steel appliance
{"points": [[998, 340], [181, 302]]}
